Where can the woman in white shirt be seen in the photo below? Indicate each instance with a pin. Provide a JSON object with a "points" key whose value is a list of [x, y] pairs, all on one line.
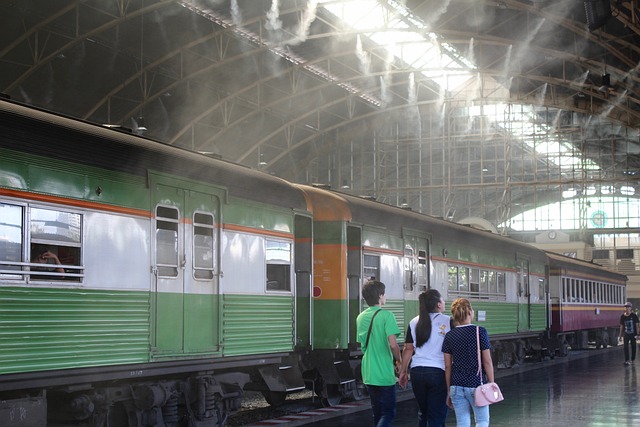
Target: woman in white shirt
{"points": [[423, 348]]}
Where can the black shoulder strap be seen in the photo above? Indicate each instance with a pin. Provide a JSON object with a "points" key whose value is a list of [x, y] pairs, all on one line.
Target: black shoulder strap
{"points": [[366, 343]]}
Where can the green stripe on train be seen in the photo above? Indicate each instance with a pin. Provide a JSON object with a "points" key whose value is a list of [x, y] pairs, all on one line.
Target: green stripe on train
{"points": [[72, 180], [255, 324], [332, 329], [329, 233], [502, 317], [43, 329]]}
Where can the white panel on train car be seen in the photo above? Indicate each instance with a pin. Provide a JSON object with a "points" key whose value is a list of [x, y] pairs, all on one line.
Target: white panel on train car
{"points": [[243, 264], [511, 280], [392, 274], [440, 278], [116, 252]]}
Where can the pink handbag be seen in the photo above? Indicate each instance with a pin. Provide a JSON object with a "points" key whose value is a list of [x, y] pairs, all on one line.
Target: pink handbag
{"points": [[485, 394]]}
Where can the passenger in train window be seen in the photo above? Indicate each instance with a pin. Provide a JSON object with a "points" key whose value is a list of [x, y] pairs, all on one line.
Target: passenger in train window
{"points": [[425, 335], [460, 348], [629, 330], [41, 254], [377, 333]]}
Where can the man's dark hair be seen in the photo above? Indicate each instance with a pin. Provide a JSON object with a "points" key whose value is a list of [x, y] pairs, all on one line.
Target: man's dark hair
{"points": [[371, 292]]}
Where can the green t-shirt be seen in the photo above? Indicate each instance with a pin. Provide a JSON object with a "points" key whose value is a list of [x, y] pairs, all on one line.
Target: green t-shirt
{"points": [[377, 362]]}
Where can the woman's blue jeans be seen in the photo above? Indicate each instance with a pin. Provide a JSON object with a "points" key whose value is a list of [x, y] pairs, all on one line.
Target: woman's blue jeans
{"points": [[462, 398], [430, 389], [383, 404]]}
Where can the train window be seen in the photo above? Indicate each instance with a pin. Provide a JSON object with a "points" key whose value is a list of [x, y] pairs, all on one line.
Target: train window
{"points": [[371, 267], [581, 288], [422, 269], [203, 246], [501, 284], [541, 289], [10, 240], [586, 293], [55, 240], [484, 282], [599, 292], [167, 220], [476, 283], [574, 290], [463, 279], [474, 280], [408, 268], [493, 283], [453, 277], [278, 265]]}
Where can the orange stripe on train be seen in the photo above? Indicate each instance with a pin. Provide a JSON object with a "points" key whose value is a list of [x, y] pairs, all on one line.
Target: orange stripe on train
{"points": [[330, 271]]}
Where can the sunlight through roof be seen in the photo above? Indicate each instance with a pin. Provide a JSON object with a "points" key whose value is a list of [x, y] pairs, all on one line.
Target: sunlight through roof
{"points": [[406, 37]]}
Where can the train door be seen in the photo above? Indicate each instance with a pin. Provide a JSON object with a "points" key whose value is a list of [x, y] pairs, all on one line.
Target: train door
{"points": [[184, 262], [354, 278], [416, 272], [524, 295], [303, 269]]}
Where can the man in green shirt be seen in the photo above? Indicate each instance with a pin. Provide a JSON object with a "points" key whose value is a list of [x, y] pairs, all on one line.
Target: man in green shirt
{"points": [[377, 332]]}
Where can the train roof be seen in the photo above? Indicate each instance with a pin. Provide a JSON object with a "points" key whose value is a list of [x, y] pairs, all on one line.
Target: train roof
{"points": [[558, 262], [43, 133], [366, 211]]}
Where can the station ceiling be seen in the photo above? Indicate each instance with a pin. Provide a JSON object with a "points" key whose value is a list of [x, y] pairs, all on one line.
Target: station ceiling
{"points": [[320, 91]]}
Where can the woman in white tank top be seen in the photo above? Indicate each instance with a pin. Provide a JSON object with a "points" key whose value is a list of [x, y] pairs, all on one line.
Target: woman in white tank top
{"points": [[423, 349]]}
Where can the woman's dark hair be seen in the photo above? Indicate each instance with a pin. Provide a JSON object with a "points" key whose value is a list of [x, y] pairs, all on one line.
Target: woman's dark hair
{"points": [[428, 300]]}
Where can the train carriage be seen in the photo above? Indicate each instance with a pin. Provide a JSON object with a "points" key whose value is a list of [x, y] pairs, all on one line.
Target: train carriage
{"points": [[356, 239], [171, 265], [586, 303]]}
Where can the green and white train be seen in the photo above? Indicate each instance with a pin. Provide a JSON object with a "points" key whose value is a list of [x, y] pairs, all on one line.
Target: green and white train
{"points": [[184, 280]]}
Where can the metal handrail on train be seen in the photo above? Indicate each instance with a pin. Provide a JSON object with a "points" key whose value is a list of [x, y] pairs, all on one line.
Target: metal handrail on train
{"points": [[24, 269]]}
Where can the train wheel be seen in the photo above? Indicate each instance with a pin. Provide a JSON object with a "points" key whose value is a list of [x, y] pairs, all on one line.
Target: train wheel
{"points": [[602, 340], [275, 398], [520, 352], [329, 394], [359, 389], [564, 349]]}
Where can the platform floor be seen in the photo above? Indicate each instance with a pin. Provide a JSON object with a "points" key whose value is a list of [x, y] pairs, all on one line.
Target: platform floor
{"points": [[592, 388]]}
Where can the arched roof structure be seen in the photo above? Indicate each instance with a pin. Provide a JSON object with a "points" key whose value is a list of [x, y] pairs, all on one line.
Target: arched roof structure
{"points": [[510, 103]]}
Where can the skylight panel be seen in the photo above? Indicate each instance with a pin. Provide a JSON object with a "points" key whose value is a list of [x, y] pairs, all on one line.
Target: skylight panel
{"points": [[406, 37]]}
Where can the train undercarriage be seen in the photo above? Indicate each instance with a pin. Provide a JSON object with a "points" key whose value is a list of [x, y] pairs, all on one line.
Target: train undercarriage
{"points": [[208, 399], [511, 352], [199, 400]]}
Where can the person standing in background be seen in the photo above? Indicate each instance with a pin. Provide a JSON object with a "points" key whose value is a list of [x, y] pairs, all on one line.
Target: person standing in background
{"points": [[377, 331], [629, 329], [425, 336]]}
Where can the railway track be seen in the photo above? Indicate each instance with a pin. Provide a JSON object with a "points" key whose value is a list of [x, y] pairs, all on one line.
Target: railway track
{"points": [[255, 408]]}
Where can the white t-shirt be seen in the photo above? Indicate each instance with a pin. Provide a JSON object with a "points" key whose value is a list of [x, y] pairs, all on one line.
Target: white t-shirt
{"points": [[430, 354]]}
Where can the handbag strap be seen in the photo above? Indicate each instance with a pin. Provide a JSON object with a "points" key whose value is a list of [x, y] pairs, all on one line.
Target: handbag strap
{"points": [[479, 358], [366, 343]]}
